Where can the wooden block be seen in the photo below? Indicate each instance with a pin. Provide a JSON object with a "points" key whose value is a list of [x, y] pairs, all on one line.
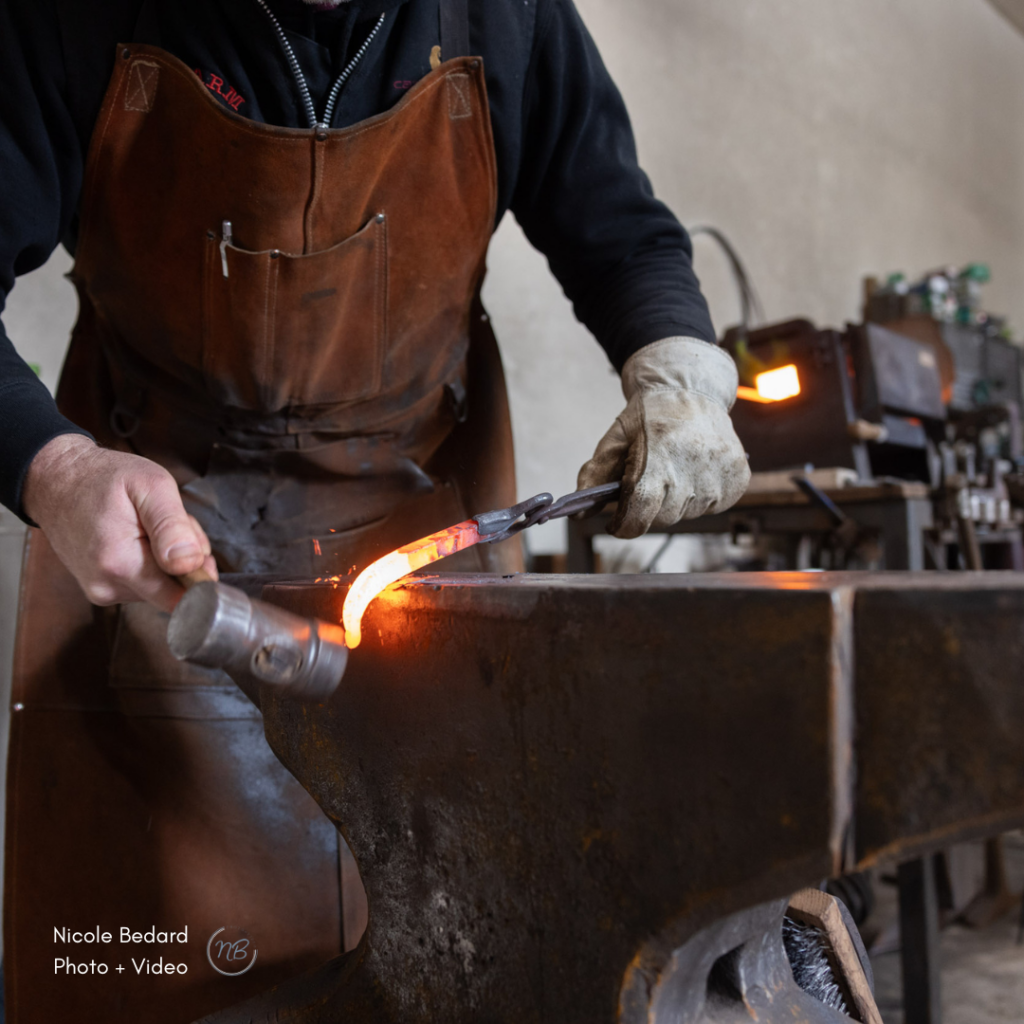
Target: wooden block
{"points": [[817, 908], [782, 480]]}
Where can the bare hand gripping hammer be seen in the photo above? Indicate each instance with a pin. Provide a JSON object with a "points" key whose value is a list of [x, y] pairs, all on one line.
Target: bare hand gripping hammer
{"points": [[218, 626]]}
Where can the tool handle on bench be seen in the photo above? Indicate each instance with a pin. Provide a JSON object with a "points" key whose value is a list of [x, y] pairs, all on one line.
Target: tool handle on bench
{"points": [[190, 579]]}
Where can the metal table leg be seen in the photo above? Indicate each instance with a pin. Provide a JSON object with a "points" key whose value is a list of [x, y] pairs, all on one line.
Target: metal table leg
{"points": [[902, 525], [919, 942], [580, 556], [996, 898]]}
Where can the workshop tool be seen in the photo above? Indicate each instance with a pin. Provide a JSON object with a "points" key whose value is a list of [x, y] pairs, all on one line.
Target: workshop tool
{"points": [[866, 399], [485, 528], [970, 549], [847, 534], [219, 626], [827, 955], [846, 530]]}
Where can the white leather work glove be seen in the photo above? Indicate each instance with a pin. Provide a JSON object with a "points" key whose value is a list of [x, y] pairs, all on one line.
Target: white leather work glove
{"points": [[673, 447]]}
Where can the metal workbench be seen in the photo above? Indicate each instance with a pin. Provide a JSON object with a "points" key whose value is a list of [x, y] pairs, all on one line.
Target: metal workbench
{"points": [[899, 512]]}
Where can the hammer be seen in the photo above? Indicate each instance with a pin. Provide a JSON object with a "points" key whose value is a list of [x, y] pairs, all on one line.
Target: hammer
{"points": [[218, 626]]}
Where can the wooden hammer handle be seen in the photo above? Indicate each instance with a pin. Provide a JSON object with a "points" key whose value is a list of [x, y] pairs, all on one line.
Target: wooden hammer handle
{"points": [[190, 579]]}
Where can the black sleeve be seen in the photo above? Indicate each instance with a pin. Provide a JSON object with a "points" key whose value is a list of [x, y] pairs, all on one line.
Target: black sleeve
{"points": [[621, 256], [40, 179]]}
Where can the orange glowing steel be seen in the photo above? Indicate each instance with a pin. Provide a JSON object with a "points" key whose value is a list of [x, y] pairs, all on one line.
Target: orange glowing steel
{"points": [[772, 386], [751, 395], [776, 385], [391, 568]]}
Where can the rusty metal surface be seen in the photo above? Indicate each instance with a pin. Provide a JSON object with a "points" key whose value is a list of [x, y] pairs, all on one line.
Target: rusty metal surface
{"points": [[940, 714], [548, 792], [553, 784]]}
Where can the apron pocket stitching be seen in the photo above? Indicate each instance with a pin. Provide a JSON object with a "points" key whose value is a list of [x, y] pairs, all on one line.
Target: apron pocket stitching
{"points": [[382, 297], [460, 105], [329, 307], [270, 320]]}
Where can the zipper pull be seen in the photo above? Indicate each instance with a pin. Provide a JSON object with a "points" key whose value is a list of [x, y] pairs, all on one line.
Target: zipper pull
{"points": [[225, 241]]}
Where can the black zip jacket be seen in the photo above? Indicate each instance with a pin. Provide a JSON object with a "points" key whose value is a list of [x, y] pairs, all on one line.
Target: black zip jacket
{"points": [[567, 165]]}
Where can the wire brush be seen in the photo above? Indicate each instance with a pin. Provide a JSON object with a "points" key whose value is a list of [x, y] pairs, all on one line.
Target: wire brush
{"points": [[807, 949]]}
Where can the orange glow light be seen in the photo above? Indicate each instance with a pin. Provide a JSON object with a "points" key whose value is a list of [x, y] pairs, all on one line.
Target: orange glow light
{"points": [[751, 395], [777, 385], [772, 386], [391, 568]]}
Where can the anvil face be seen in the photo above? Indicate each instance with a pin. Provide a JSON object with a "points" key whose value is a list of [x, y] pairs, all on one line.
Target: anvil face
{"points": [[551, 784]]}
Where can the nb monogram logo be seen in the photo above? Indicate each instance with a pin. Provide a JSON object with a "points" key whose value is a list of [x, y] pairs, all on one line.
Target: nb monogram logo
{"points": [[230, 952]]}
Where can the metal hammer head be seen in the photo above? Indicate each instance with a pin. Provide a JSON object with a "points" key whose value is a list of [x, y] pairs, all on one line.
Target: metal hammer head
{"points": [[218, 626]]}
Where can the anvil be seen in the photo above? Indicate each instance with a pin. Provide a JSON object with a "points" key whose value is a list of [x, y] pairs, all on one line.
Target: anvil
{"points": [[585, 800]]}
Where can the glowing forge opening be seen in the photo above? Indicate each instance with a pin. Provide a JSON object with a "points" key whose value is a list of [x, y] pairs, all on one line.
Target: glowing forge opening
{"points": [[392, 567], [773, 386]]}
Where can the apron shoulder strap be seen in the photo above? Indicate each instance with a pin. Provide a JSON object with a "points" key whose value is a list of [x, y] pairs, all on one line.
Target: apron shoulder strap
{"points": [[147, 25], [454, 29]]}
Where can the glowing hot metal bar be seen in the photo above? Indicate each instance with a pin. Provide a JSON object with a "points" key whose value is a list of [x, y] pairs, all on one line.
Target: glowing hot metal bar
{"points": [[779, 384], [486, 528], [752, 395], [772, 386], [392, 567]]}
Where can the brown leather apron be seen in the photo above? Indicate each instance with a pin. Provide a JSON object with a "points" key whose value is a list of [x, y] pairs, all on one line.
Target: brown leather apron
{"points": [[324, 387]]}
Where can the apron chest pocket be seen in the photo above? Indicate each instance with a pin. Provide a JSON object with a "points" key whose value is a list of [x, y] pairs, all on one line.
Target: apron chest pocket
{"points": [[281, 331]]}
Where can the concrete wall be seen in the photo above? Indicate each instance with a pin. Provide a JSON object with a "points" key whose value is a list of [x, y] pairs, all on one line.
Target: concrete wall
{"points": [[1013, 10]]}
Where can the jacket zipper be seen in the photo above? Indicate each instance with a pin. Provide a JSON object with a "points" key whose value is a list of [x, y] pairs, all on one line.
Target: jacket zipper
{"points": [[300, 78]]}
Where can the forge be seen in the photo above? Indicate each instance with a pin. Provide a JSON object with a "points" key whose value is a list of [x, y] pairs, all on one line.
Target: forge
{"points": [[572, 799]]}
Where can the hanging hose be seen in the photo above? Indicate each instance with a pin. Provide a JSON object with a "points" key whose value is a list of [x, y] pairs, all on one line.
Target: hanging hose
{"points": [[751, 310]]}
